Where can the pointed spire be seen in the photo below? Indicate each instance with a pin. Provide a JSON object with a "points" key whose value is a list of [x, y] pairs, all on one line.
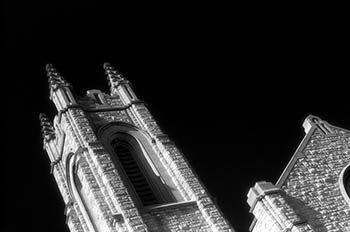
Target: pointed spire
{"points": [[112, 74], [46, 127], [114, 77], [55, 78]]}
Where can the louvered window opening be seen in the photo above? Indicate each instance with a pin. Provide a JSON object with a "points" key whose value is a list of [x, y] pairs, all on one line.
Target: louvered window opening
{"points": [[125, 154]]}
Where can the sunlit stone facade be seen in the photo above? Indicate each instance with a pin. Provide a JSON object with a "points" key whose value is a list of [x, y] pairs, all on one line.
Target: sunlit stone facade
{"points": [[313, 192], [115, 168]]}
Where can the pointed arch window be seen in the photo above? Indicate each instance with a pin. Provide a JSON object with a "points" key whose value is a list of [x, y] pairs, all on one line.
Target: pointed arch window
{"points": [[129, 154], [141, 170]]}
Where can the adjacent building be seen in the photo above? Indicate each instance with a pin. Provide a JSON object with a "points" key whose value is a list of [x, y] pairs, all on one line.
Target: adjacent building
{"points": [[313, 192]]}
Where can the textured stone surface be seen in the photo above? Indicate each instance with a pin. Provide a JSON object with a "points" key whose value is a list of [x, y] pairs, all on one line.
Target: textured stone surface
{"points": [[310, 198], [313, 182], [186, 217], [101, 201], [102, 118]]}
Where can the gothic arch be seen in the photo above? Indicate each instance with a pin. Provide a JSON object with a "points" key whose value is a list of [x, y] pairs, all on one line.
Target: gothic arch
{"points": [[71, 168], [132, 153], [110, 128], [344, 183]]}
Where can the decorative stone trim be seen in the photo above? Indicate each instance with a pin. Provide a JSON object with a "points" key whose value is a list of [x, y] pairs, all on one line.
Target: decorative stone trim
{"points": [[260, 189], [170, 206], [99, 187]]}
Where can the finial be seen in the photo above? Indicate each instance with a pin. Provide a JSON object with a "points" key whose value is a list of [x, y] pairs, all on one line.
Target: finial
{"points": [[46, 127], [112, 73], [55, 78], [322, 125]]}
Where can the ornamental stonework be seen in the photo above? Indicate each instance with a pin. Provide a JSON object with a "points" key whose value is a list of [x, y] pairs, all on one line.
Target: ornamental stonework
{"points": [[102, 118], [116, 169]]}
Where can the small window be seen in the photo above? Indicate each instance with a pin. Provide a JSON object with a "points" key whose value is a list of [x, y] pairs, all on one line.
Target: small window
{"points": [[129, 92], [98, 99], [68, 95]]}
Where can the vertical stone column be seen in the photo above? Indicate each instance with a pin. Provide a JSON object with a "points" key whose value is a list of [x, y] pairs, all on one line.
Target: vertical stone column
{"points": [[272, 210]]}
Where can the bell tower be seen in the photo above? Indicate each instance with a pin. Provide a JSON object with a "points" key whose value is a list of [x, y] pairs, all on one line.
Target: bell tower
{"points": [[115, 168]]}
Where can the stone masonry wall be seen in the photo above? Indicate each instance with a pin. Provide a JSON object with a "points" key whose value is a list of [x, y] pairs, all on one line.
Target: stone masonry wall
{"points": [[312, 185], [105, 177], [176, 218], [182, 174], [101, 201], [274, 214], [309, 194], [272, 211]]}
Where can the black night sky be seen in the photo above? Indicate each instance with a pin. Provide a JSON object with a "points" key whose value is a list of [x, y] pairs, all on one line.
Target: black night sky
{"points": [[231, 85]]}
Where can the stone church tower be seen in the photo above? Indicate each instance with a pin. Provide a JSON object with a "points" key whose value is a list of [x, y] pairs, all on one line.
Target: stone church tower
{"points": [[313, 192], [116, 169]]}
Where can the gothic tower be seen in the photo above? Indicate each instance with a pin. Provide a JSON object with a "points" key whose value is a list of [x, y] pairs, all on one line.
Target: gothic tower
{"points": [[313, 193], [116, 169]]}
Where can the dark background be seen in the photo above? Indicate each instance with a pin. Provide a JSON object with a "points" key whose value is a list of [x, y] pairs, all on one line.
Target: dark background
{"points": [[230, 84]]}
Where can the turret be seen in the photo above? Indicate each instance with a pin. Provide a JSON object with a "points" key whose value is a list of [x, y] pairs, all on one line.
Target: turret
{"points": [[60, 89], [119, 84]]}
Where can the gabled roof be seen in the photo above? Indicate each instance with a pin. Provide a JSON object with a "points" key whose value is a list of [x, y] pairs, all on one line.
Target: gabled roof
{"points": [[311, 123]]}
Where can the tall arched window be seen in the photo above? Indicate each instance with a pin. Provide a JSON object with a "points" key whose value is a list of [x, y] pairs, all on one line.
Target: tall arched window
{"points": [[140, 168], [129, 154]]}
